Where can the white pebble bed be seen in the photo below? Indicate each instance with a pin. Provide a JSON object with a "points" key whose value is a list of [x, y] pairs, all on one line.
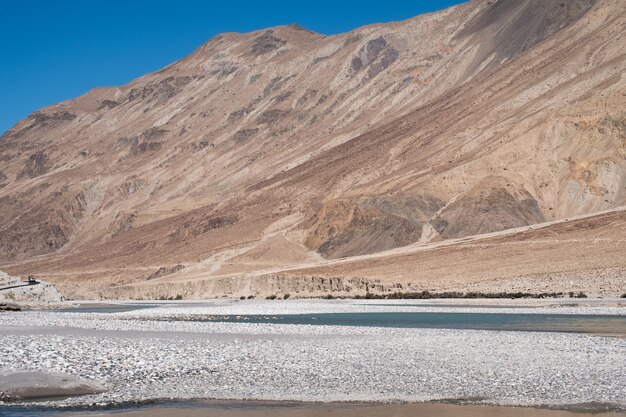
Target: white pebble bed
{"points": [[138, 358]]}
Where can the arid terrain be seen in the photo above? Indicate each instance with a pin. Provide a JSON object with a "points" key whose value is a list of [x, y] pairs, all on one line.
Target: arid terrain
{"points": [[479, 148]]}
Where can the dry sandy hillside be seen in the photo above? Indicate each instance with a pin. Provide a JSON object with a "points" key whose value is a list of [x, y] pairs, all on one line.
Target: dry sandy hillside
{"points": [[270, 159]]}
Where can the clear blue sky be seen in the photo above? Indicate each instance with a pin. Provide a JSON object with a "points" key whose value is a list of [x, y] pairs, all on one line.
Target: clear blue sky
{"points": [[53, 50]]}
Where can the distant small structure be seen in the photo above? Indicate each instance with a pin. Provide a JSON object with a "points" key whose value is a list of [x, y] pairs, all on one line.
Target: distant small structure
{"points": [[32, 280]]}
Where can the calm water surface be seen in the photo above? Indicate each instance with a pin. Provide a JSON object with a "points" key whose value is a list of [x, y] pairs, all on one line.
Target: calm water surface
{"points": [[466, 320], [595, 324]]}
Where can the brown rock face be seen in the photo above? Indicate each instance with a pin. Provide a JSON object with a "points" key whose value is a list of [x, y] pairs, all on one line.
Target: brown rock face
{"points": [[346, 228], [491, 206], [483, 117]]}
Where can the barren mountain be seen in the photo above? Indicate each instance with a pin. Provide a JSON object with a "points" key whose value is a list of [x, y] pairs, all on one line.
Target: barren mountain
{"points": [[286, 150]]}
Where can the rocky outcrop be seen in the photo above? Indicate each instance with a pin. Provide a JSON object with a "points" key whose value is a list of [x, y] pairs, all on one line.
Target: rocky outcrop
{"points": [[22, 293], [271, 285], [20, 386], [492, 206], [343, 228]]}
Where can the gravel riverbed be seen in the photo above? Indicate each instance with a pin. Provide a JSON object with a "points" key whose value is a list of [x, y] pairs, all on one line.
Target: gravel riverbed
{"points": [[138, 357]]}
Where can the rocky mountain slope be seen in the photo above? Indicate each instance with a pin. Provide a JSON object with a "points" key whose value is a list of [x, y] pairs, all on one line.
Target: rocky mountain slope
{"points": [[290, 148]]}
